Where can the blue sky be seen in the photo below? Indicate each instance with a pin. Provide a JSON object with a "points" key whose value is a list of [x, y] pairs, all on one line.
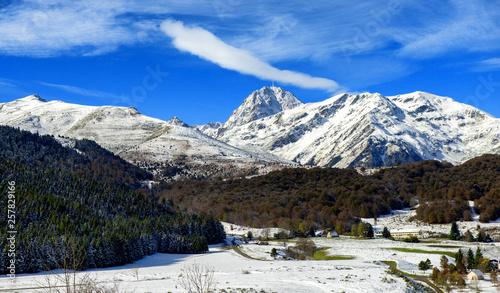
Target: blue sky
{"points": [[198, 60]]}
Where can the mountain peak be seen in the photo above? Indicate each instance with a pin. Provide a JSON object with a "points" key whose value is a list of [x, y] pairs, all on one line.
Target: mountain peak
{"points": [[34, 97], [262, 103], [177, 122]]}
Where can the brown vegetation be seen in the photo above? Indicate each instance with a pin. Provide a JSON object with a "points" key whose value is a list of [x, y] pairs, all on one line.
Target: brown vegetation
{"points": [[299, 198]]}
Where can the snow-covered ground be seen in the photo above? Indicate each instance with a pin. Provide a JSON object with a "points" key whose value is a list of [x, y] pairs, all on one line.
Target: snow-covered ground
{"points": [[402, 220], [234, 272], [160, 273]]}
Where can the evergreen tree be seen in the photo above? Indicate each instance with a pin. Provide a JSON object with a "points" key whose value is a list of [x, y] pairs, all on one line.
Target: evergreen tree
{"points": [[470, 259], [470, 238], [386, 233], [454, 231], [459, 256], [424, 265], [478, 257], [369, 232], [312, 231], [481, 236]]}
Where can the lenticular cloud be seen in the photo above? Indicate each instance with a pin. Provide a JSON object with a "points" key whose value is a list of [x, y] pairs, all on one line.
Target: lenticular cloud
{"points": [[206, 45]]}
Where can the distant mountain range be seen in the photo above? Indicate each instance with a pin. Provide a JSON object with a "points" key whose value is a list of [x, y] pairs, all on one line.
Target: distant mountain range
{"points": [[366, 129], [274, 128], [148, 142]]}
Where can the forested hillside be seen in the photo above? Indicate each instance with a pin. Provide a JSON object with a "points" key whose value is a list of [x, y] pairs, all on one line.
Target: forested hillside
{"points": [[327, 197], [60, 209], [91, 160]]}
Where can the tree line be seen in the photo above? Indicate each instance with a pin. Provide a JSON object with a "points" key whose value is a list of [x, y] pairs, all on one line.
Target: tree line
{"points": [[298, 198]]}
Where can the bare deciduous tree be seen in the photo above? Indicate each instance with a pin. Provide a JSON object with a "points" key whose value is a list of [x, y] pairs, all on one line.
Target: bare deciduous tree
{"points": [[283, 237], [197, 278], [476, 286], [135, 272], [68, 257]]}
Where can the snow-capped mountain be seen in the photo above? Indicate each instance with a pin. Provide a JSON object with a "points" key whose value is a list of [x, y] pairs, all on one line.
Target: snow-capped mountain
{"points": [[126, 132], [273, 126], [364, 130], [259, 104], [263, 103]]}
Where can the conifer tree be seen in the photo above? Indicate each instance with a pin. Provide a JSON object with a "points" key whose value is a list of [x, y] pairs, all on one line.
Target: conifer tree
{"points": [[454, 231], [470, 259], [386, 233], [477, 257], [470, 238]]}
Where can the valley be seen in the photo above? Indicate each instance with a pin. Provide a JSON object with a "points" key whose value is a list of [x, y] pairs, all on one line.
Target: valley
{"points": [[355, 265], [352, 164], [237, 146]]}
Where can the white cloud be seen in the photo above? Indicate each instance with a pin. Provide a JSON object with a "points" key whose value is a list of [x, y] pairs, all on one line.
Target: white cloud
{"points": [[206, 45], [51, 28], [8, 83], [86, 92], [317, 31], [38, 28], [337, 36], [468, 26], [487, 65]]}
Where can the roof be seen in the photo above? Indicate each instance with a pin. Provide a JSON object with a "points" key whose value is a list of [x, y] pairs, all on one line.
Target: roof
{"points": [[406, 231], [477, 272]]}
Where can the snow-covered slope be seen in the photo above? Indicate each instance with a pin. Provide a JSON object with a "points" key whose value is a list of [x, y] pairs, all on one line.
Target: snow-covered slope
{"points": [[263, 103], [273, 126], [125, 131], [367, 130], [260, 104]]}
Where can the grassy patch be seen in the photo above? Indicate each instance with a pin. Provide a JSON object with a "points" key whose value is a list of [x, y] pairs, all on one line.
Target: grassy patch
{"points": [[448, 253], [430, 240], [389, 262], [321, 254]]}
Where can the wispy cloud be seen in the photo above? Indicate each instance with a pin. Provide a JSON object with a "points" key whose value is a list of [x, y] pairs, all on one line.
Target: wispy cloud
{"points": [[487, 65], [87, 93], [206, 45], [8, 83], [317, 31], [38, 28], [336, 36], [468, 26]]}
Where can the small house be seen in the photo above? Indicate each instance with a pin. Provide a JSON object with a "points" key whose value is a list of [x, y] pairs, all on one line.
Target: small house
{"points": [[475, 275], [402, 234], [332, 234]]}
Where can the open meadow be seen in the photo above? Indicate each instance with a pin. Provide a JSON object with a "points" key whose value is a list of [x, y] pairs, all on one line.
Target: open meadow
{"points": [[342, 264]]}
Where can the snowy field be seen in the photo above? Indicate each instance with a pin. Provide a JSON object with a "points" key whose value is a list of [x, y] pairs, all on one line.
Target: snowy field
{"points": [[160, 273], [360, 269], [400, 220]]}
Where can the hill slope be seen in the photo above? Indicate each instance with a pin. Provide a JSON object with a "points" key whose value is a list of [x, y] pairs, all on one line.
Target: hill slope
{"points": [[59, 207], [273, 128], [297, 198], [137, 138]]}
